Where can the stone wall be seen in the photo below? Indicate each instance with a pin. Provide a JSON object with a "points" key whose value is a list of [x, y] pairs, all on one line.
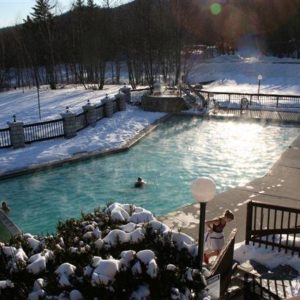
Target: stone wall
{"points": [[163, 104]]}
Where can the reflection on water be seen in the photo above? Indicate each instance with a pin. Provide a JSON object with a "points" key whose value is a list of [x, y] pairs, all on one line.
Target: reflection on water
{"points": [[184, 148]]}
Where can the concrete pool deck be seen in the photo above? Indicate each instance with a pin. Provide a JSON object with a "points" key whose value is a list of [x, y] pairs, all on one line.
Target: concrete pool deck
{"points": [[280, 186]]}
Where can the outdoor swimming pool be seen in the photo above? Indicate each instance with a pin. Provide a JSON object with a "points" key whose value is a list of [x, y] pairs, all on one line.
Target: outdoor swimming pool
{"points": [[180, 150]]}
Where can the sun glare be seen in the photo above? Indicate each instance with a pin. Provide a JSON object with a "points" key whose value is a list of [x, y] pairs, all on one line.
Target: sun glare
{"points": [[240, 136], [215, 9]]}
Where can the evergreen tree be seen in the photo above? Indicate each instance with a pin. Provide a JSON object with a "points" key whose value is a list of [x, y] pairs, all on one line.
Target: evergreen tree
{"points": [[91, 4], [42, 20], [42, 11], [78, 4]]}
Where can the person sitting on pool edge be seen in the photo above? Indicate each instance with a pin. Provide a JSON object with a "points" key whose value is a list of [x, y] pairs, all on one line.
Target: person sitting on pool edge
{"points": [[139, 183], [4, 207]]}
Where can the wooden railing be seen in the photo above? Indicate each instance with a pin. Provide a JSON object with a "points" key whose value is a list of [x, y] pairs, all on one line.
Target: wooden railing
{"points": [[273, 226], [263, 288], [224, 264]]}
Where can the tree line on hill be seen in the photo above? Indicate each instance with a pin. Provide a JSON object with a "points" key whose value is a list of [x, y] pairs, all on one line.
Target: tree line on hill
{"points": [[149, 36]]}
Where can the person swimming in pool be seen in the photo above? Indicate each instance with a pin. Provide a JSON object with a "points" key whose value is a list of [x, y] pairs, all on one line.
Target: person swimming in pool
{"points": [[4, 207], [139, 183]]}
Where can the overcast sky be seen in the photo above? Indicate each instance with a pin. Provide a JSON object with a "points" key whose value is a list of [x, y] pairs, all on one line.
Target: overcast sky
{"points": [[13, 12]]}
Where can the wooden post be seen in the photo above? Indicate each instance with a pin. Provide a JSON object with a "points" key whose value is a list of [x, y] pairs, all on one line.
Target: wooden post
{"points": [[248, 222]]}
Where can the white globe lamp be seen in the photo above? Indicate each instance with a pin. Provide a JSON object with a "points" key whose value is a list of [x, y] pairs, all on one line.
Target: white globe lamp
{"points": [[203, 189]]}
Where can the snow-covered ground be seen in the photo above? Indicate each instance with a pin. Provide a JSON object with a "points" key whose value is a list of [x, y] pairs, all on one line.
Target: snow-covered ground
{"points": [[235, 73], [232, 73], [52, 102], [109, 133], [271, 259], [266, 256]]}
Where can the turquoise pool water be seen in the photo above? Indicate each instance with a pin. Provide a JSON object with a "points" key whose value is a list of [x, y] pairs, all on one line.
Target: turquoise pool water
{"points": [[182, 149]]}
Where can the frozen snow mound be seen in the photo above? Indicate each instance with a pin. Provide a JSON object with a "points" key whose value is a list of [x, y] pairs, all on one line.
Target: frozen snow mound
{"points": [[265, 256]]}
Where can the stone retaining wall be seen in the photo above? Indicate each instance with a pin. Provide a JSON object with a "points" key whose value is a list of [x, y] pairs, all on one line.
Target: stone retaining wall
{"points": [[172, 104]]}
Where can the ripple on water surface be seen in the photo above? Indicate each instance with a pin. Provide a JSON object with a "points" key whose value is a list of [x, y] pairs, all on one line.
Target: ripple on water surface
{"points": [[182, 149]]}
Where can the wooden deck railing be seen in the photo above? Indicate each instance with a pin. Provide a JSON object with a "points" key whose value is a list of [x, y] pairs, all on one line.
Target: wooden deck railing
{"points": [[273, 226]]}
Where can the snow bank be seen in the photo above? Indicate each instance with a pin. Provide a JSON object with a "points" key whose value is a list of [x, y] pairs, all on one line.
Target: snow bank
{"points": [[268, 257], [236, 73]]}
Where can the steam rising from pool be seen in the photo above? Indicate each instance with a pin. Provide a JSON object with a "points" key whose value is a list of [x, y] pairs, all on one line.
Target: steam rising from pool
{"points": [[184, 148]]}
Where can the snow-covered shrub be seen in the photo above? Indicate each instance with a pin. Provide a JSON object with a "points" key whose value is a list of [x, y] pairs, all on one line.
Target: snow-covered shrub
{"points": [[121, 252]]}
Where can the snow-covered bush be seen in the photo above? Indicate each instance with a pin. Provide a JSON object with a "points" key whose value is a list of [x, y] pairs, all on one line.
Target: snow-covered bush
{"points": [[121, 252]]}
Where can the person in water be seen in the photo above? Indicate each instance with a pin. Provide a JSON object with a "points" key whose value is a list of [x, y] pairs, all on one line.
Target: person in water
{"points": [[4, 207], [214, 238], [139, 183]]}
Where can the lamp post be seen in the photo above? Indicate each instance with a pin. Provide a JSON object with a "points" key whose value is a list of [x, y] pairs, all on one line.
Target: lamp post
{"points": [[203, 190], [259, 78]]}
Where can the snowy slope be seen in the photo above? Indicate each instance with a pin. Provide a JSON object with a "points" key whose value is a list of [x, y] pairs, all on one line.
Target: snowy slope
{"points": [[53, 102], [234, 73]]}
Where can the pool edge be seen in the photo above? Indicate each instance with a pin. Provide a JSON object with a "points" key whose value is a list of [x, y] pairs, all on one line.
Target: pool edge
{"points": [[280, 185], [88, 155]]}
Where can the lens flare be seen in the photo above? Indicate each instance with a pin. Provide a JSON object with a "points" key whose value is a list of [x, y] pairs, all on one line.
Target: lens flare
{"points": [[215, 9]]}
